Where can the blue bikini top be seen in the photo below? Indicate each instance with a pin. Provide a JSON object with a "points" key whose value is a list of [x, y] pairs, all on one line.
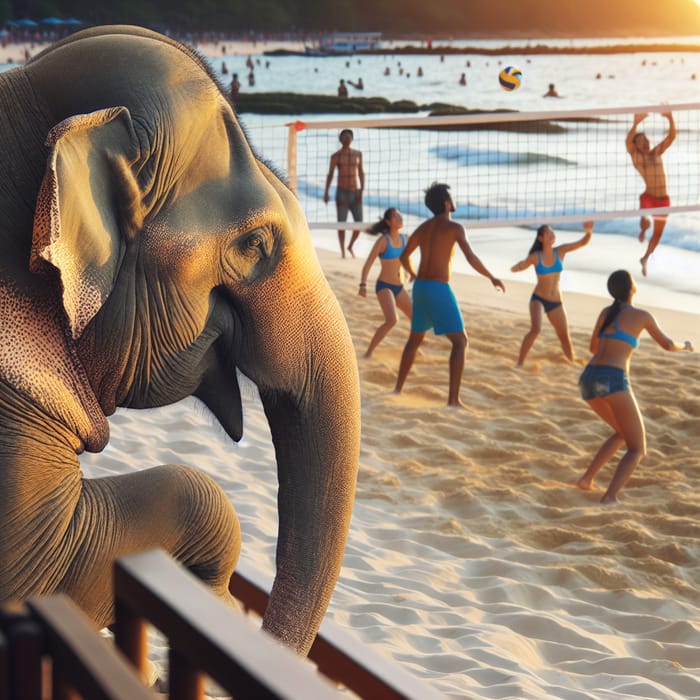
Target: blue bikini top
{"points": [[391, 252], [619, 334], [556, 266]]}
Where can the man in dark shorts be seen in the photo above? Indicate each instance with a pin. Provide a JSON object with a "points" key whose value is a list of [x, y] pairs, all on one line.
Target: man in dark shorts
{"points": [[434, 303], [351, 183], [648, 163]]}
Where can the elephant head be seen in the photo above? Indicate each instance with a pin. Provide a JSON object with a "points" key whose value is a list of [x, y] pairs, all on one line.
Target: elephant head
{"points": [[180, 259]]}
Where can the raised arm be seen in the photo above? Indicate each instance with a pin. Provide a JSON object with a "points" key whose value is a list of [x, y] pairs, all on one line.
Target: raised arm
{"points": [[629, 142], [524, 264], [575, 245], [670, 136], [652, 328], [475, 262]]}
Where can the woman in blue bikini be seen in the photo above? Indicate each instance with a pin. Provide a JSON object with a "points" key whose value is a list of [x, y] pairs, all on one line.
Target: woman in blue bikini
{"points": [[605, 384], [389, 286], [547, 296]]}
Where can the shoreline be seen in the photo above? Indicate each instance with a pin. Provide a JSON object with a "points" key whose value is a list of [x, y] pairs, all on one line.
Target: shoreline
{"points": [[506, 50], [583, 282], [15, 52], [475, 295], [499, 249]]}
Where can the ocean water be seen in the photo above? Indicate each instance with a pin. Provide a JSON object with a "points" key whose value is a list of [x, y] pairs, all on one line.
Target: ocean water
{"points": [[566, 185], [625, 78], [532, 177]]}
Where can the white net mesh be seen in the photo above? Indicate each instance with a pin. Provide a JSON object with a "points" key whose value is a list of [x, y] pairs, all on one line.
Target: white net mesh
{"points": [[503, 169]]}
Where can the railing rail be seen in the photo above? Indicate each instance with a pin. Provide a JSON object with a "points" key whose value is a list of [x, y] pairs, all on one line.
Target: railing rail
{"points": [[53, 651], [49, 650], [203, 636]]}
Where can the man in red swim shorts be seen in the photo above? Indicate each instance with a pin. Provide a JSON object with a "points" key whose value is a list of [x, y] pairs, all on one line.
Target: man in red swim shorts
{"points": [[648, 163]]}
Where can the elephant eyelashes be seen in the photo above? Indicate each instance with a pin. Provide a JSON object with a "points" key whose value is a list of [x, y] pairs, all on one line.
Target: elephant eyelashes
{"points": [[255, 241], [251, 255]]}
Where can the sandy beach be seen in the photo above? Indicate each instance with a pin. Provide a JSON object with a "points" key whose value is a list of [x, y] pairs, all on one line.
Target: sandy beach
{"points": [[16, 52], [473, 561]]}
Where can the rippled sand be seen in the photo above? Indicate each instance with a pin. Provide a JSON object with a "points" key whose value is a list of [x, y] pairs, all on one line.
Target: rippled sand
{"points": [[473, 561]]}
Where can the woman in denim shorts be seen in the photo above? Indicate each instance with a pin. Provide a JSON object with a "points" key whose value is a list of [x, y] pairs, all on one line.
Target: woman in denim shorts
{"points": [[605, 383]]}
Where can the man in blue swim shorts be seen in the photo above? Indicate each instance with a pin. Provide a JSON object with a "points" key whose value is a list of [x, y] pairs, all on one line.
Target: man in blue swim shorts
{"points": [[434, 303], [435, 306]]}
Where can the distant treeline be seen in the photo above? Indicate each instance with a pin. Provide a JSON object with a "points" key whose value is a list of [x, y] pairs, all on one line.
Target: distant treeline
{"points": [[447, 18], [295, 16]]}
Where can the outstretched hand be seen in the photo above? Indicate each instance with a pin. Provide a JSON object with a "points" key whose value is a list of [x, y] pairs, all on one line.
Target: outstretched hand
{"points": [[641, 116], [588, 226], [498, 284]]}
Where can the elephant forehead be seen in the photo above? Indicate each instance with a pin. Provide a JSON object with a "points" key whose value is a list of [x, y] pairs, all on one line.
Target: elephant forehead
{"points": [[147, 75]]}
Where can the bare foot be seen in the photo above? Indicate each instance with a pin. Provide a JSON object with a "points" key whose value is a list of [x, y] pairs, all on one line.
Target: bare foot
{"points": [[608, 500], [456, 404], [584, 484], [351, 251], [644, 266]]}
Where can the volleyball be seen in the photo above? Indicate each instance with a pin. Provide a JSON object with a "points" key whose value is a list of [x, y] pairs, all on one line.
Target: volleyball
{"points": [[510, 78]]}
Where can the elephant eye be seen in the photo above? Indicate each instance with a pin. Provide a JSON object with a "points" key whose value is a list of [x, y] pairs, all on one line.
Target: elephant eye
{"points": [[254, 244], [251, 255]]}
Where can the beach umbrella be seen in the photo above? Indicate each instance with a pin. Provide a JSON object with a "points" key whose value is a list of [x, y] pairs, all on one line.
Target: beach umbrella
{"points": [[24, 23], [73, 21], [53, 21]]}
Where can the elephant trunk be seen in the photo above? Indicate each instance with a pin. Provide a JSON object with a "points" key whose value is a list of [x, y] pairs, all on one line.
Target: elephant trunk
{"points": [[316, 434]]}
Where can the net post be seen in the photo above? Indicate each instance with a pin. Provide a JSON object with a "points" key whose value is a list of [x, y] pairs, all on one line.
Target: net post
{"points": [[292, 157]]}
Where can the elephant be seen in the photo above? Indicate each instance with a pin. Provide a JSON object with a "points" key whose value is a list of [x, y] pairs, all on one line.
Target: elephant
{"points": [[147, 254]]}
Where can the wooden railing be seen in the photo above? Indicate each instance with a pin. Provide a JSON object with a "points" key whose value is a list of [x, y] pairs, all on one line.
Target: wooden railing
{"points": [[49, 649], [204, 636]]}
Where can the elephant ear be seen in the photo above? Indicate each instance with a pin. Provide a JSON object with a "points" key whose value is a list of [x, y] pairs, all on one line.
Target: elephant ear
{"points": [[88, 204]]}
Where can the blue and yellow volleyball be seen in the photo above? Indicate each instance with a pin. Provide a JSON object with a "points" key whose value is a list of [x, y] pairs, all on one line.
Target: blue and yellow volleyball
{"points": [[510, 78]]}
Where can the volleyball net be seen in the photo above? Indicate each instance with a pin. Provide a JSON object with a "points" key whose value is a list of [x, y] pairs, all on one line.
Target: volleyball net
{"points": [[503, 168]]}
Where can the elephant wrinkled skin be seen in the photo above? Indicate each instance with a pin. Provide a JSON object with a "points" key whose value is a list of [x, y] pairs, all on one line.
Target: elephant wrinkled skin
{"points": [[147, 255]]}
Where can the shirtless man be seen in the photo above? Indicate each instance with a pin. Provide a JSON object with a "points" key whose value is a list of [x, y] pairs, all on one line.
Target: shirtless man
{"points": [[348, 195], [434, 303], [648, 163]]}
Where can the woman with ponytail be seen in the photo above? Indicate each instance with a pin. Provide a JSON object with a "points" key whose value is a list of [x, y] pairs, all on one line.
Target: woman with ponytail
{"points": [[389, 286], [547, 259], [605, 383]]}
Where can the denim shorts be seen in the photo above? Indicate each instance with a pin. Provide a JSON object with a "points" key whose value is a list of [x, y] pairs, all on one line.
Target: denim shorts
{"points": [[348, 200], [597, 381]]}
